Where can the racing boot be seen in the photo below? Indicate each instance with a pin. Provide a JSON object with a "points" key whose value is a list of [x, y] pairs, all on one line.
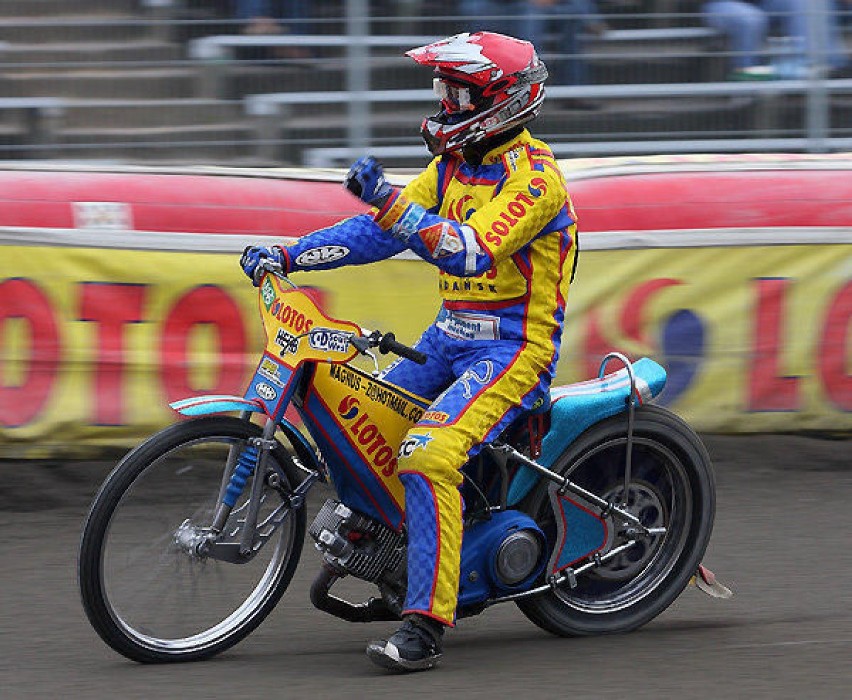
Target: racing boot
{"points": [[416, 646]]}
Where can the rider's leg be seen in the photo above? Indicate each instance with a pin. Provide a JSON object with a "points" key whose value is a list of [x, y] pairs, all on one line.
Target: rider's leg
{"points": [[503, 380]]}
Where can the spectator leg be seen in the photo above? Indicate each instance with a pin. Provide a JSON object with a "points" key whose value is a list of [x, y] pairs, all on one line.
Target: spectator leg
{"points": [[744, 25]]}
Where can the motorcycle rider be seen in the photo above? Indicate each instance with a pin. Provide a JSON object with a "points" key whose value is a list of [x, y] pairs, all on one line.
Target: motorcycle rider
{"points": [[492, 213]]}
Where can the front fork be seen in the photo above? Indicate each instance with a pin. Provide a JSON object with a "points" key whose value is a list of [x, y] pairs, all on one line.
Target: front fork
{"points": [[243, 463]]}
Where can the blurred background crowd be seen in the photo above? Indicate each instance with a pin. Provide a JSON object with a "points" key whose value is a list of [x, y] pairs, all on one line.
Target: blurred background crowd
{"points": [[293, 82]]}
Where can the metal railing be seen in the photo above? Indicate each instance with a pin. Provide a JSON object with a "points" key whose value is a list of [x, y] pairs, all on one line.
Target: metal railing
{"points": [[179, 81]]}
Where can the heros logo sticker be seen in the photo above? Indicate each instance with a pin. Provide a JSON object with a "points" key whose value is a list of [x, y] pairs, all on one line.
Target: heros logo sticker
{"points": [[288, 342]]}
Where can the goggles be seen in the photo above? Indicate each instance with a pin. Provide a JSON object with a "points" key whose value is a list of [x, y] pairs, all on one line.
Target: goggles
{"points": [[455, 98]]}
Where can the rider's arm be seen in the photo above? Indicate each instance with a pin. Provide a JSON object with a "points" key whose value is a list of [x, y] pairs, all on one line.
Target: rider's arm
{"points": [[354, 241], [529, 201], [358, 240]]}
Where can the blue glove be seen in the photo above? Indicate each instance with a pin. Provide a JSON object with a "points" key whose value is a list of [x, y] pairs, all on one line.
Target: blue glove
{"points": [[366, 180], [252, 256]]}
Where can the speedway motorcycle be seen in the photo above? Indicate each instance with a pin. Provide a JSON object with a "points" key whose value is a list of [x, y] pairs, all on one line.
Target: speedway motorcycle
{"points": [[591, 513]]}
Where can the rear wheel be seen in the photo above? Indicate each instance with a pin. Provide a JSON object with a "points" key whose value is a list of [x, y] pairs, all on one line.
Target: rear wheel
{"points": [[672, 487], [147, 592]]}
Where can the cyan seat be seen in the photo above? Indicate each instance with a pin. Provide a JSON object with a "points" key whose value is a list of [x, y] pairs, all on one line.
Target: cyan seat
{"points": [[576, 407]]}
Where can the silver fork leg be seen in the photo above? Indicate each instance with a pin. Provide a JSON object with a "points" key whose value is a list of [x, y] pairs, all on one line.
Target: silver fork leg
{"points": [[250, 525]]}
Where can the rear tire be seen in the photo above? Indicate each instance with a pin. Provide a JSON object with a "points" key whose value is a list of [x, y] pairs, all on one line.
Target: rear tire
{"points": [[672, 484], [148, 598]]}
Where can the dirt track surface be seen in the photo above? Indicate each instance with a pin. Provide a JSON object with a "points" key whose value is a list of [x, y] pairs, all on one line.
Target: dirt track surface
{"points": [[781, 542]]}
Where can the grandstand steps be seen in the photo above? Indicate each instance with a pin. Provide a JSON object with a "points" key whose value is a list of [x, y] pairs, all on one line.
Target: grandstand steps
{"points": [[133, 94], [145, 114], [75, 28], [660, 118], [252, 78], [46, 8], [103, 83], [305, 131], [191, 142], [66, 55], [636, 120]]}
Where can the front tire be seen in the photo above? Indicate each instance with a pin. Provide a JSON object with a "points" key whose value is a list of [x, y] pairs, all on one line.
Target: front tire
{"points": [[672, 486], [151, 599]]}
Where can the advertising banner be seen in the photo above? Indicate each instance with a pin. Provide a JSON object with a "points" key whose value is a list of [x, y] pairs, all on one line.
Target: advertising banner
{"points": [[96, 345], [121, 292]]}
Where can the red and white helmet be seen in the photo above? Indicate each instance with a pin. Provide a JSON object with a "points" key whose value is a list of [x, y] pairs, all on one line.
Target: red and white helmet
{"points": [[487, 83]]}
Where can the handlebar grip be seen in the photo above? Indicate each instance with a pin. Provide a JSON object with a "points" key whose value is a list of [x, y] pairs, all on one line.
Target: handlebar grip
{"points": [[389, 343], [266, 265]]}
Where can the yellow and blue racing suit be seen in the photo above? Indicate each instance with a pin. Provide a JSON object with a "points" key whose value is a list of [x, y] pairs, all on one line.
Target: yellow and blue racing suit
{"points": [[503, 235]]}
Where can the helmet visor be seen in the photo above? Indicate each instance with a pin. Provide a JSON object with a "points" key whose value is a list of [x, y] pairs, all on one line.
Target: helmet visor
{"points": [[454, 97]]}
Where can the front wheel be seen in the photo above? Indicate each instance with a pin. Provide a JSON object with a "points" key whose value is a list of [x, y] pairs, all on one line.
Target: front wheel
{"points": [[150, 596], [672, 487]]}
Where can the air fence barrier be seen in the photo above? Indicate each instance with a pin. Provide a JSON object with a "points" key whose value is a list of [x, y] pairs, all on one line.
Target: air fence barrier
{"points": [[185, 81], [120, 289]]}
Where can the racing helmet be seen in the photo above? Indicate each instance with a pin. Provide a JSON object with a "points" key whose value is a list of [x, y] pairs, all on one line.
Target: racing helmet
{"points": [[487, 83]]}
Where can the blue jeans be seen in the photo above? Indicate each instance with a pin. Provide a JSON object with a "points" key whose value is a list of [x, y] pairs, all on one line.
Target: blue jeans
{"points": [[744, 24], [503, 17], [564, 21], [792, 17], [747, 25], [279, 9]]}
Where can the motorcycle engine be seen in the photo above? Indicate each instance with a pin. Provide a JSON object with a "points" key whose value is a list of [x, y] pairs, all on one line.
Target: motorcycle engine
{"points": [[501, 555], [355, 544]]}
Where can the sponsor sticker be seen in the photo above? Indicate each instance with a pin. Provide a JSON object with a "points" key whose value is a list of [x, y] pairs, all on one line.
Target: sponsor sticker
{"points": [[329, 340], [409, 222], [103, 216], [465, 326], [322, 254], [441, 240], [288, 342], [436, 416], [265, 391], [414, 441], [512, 158], [269, 370], [267, 293]]}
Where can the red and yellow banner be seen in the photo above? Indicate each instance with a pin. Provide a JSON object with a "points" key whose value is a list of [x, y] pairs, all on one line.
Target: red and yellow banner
{"points": [[735, 274], [96, 343]]}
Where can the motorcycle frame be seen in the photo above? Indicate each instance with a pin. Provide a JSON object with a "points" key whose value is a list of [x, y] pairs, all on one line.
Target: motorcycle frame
{"points": [[502, 452]]}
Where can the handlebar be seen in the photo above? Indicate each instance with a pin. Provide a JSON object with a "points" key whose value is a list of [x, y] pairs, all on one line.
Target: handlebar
{"points": [[387, 342], [267, 265]]}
